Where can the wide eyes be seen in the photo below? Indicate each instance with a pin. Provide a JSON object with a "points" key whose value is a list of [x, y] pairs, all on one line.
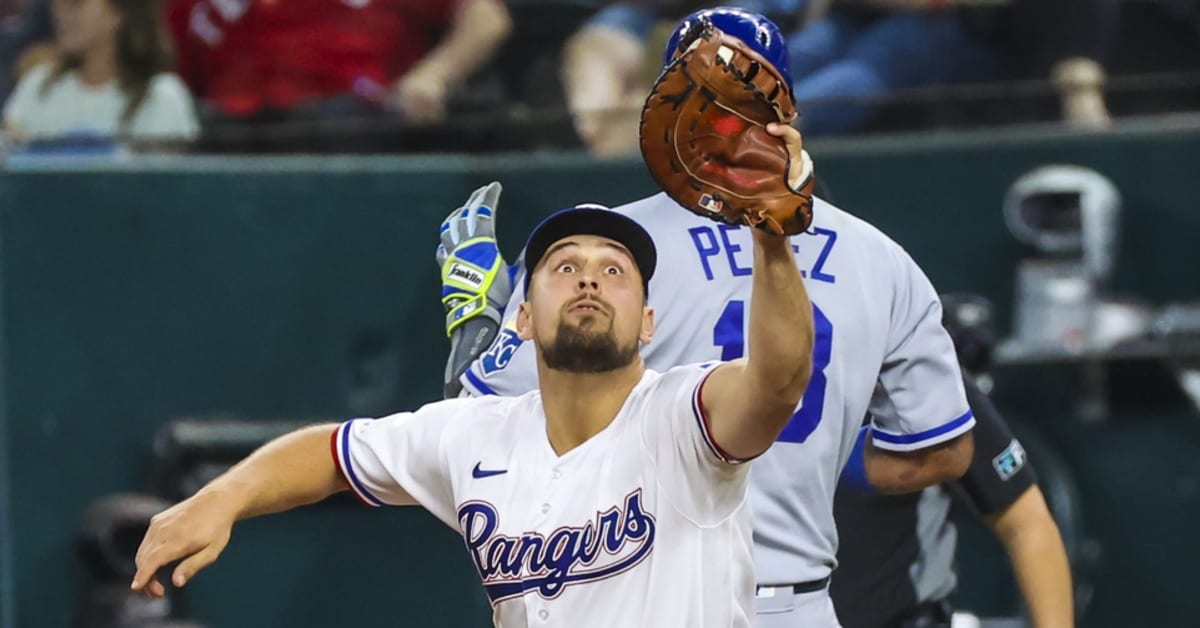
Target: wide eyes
{"points": [[570, 268]]}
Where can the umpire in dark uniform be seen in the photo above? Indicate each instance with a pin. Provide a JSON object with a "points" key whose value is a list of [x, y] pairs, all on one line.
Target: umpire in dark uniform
{"points": [[896, 552]]}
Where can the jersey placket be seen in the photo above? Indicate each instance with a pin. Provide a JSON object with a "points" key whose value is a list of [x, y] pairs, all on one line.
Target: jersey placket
{"points": [[542, 512], [552, 482]]}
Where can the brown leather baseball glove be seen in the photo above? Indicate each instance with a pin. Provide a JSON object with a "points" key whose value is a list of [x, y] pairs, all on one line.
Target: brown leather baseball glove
{"points": [[705, 141]]}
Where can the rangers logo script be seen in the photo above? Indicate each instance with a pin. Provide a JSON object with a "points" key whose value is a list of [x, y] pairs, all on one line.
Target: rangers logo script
{"points": [[615, 542]]}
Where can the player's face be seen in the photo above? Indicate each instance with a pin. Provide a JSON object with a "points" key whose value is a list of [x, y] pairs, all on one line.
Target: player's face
{"points": [[586, 311]]}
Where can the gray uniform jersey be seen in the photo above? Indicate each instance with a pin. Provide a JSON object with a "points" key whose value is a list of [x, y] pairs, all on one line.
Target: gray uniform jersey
{"points": [[880, 348]]}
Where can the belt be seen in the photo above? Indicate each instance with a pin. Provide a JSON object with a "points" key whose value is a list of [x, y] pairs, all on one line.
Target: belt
{"points": [[799, 587]]}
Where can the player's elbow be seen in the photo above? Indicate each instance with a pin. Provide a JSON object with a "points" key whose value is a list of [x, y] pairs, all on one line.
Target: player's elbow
{"points": [[957, 458], [948, 461], [781, 388], [782, 373], [800, 380], [802, 361], [907, 472]]}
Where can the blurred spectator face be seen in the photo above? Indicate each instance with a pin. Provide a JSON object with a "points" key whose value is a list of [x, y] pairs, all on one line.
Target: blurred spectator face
{"points": [[84, 24]]}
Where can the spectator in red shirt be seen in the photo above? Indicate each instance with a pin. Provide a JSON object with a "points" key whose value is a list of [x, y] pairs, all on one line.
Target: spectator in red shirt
{"points": [[245, 57]]}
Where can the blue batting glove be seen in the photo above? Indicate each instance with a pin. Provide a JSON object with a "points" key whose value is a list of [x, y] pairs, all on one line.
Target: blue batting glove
{"points": [[475, 279]]}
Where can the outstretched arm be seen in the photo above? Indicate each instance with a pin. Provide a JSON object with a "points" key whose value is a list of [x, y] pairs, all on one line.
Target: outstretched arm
{"points": [[290, 471], [747, 402]]}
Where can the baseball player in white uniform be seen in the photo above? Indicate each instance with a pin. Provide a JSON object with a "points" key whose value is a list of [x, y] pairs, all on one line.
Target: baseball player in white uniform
{"points": [[609, 495], [880, 348]]}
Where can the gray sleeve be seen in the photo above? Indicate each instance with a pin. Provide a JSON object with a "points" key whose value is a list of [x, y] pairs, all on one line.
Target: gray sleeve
{"points": [[509, 366], [919, 399], [1000, 471]]}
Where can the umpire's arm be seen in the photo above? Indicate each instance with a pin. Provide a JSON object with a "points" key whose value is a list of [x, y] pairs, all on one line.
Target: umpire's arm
{"points": [[747, 402], [1001, 486]]}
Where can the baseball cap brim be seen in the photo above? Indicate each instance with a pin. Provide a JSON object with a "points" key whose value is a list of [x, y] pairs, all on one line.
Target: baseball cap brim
{"points": [[597, 221]]}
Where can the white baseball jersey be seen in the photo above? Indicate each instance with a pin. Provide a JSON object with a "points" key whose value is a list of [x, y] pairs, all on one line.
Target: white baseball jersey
{"points": [[880, 346], [641, 525]]}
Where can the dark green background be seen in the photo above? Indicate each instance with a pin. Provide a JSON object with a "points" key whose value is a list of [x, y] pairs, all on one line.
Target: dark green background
{"points": [[134, 294]]}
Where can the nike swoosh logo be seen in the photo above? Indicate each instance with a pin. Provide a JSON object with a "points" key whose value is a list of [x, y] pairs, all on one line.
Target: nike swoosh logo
{"points": [[484, 473]]}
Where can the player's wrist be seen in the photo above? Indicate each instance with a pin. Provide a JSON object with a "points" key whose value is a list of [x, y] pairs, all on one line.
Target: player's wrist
{"points": [[227, 498], [801, 180], [773, 244], [461, 308]]}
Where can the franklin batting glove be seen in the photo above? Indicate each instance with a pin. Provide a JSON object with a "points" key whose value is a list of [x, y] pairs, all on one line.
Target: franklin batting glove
{"points": [[476, 282]]}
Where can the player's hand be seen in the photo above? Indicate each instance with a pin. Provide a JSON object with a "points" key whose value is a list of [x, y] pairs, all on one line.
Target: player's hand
{"points": [[799, 164], [476, 284], [475, 279], [195, 530]]}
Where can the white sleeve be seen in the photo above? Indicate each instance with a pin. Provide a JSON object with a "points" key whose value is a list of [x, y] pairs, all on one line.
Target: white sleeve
{"points": [[699, 479], [167, 112], [400, 459], [919, 399], [509, 367]]}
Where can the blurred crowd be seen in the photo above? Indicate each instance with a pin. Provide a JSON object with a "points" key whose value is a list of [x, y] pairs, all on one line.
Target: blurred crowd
{"points": [[417, 75]]}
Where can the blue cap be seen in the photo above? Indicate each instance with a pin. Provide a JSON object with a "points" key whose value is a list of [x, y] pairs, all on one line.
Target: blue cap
{"points": [[591, 220], [759, 33]]}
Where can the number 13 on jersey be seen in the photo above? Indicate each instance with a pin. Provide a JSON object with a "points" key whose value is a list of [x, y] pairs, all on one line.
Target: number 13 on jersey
{"points": [[729, 334]]}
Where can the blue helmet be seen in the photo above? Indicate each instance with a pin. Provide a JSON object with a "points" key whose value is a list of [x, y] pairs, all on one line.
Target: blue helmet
{"points": [[760, 33]]}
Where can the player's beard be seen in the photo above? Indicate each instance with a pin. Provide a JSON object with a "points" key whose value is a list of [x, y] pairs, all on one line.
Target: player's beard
{"points": [[576, 350]]}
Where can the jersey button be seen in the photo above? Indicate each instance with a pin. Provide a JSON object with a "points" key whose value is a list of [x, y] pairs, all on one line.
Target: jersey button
{"points": [[543, 614], [545, 508], [557, 474]]}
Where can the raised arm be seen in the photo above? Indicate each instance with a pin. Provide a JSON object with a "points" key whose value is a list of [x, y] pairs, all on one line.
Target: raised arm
{"points": [[292, 470], [747, 402]]}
